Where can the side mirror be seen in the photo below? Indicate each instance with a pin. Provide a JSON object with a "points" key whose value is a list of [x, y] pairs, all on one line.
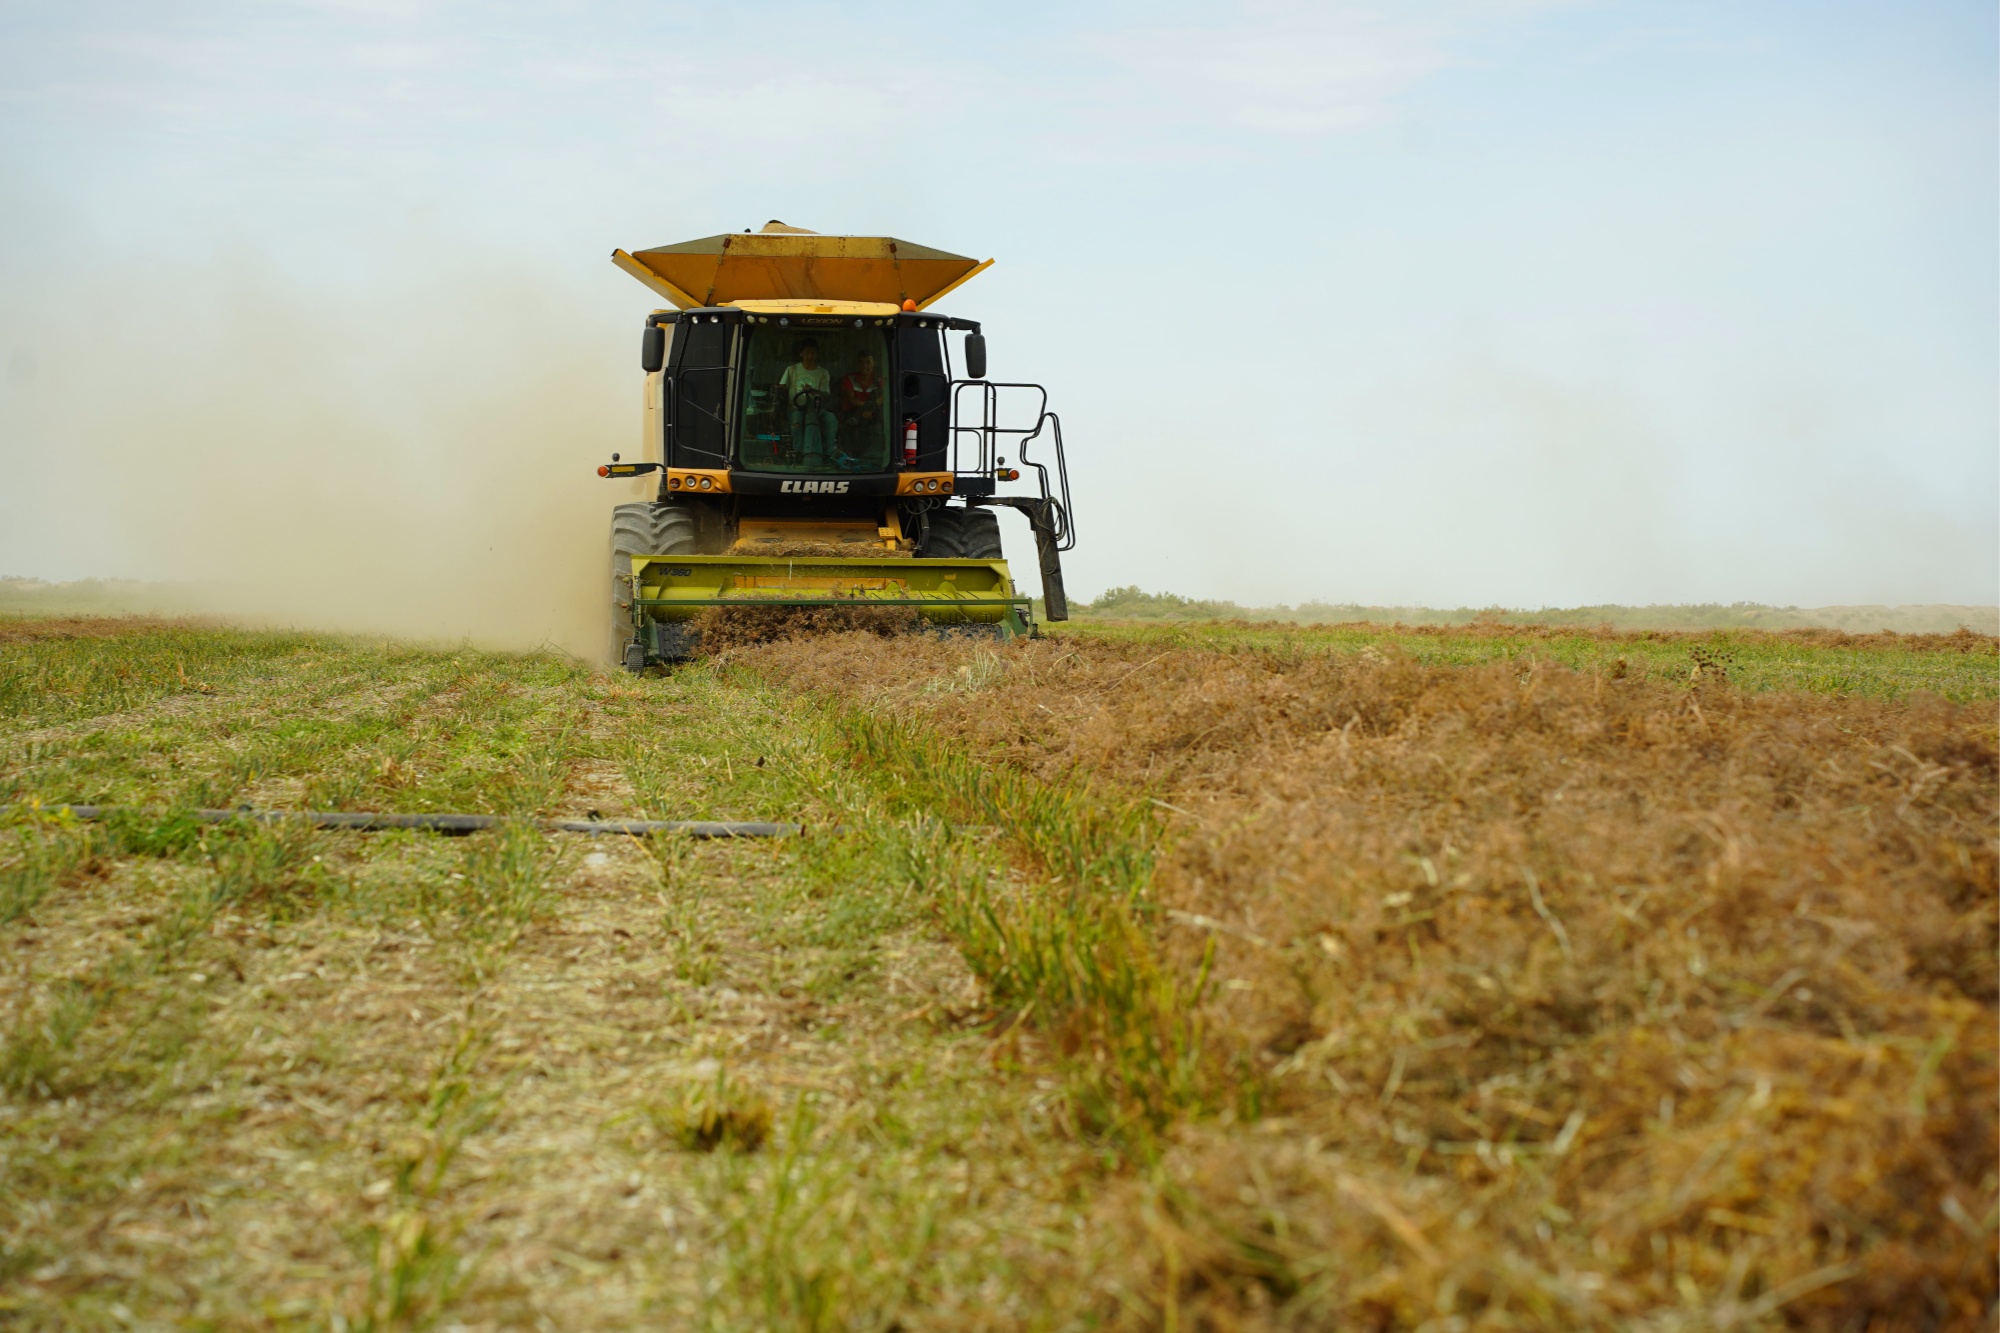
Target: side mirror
{"points": [[653, 349], [975, 355]]}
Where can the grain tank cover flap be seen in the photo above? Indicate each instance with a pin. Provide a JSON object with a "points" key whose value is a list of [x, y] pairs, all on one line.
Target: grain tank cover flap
{"points": [[795, 265]]}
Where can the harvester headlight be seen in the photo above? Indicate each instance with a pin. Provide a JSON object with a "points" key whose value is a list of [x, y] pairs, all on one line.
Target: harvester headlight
{"points": [[706, 483], [673, 483]]}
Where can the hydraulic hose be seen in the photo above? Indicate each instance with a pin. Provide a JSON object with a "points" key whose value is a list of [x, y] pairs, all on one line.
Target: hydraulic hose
{"points": [[365, 821]]}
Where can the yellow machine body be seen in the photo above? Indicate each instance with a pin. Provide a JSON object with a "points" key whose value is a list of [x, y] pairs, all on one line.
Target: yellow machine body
{"points": [[787, 270], [910, 526]]}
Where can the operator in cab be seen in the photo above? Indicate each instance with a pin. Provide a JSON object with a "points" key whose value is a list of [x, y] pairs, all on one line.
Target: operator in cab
{"points": [[860, 399], [806, 388]]}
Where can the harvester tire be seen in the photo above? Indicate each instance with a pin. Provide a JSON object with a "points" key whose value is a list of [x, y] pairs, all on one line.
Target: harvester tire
{"points": [[962, 534], [982, 535], [642, 529]]}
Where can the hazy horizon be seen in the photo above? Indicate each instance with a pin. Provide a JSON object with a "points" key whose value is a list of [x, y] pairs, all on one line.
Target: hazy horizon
{"points": [[1450, 304]]}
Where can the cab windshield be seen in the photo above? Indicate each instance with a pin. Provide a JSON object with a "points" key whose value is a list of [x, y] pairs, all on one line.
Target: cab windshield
{"points": [[814, 401]]}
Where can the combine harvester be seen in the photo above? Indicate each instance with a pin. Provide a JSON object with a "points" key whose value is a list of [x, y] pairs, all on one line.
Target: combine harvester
{"points": [[814, 448]]}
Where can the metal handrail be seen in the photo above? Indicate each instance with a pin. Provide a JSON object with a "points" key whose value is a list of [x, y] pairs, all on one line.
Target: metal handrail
{"points": [[1059, 508], [986, 432]]}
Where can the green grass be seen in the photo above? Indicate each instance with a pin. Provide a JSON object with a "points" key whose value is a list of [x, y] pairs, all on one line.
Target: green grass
{"points": [[1749, 660], [262, 1076], [50, 680], [1073, 951]]}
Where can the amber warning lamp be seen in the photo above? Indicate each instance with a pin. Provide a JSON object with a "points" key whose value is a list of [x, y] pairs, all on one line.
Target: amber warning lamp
{"points": [[617, 469]]}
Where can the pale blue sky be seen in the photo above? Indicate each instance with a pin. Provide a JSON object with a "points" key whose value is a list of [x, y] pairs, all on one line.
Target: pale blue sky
{"points": [[1511, 302]]}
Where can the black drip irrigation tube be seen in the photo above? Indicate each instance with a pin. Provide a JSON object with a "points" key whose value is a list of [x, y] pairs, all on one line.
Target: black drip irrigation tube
{"points": [[363, 821]]}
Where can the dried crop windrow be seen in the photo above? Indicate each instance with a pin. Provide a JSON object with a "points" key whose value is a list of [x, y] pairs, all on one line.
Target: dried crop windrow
{"points": [[725, 628], [1961, 640], [1572, 1000]]}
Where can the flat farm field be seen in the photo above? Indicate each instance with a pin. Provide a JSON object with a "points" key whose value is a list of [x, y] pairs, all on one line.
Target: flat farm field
{"points": [[1959, 666], [1186, 978]]}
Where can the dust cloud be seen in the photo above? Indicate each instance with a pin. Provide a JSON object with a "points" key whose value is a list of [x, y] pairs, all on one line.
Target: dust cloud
{"points": [[418, 460]]}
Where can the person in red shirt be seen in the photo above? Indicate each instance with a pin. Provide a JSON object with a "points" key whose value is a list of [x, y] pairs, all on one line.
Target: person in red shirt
{"points": [[860, 401]]}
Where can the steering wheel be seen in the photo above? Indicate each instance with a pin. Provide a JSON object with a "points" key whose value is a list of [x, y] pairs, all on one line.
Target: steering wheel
{"points": [[809, 400]]}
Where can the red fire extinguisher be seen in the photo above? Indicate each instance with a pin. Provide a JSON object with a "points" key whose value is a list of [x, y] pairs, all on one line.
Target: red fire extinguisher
{"points": [[909, 442]]}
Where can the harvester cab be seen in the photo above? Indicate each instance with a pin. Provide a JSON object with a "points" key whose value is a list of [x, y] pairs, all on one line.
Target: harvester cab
{"points": [[808, 443]]}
